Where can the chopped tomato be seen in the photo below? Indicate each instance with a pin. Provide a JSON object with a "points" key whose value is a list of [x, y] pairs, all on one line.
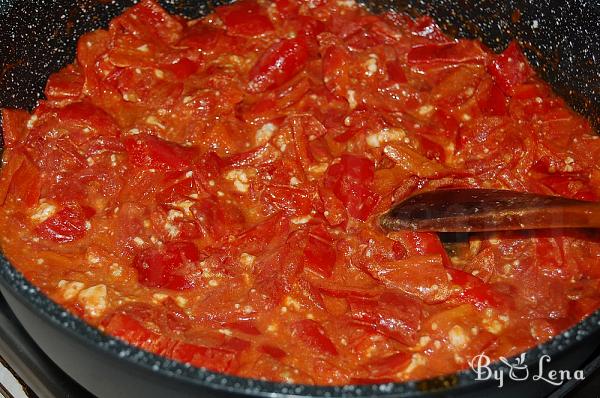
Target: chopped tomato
{"points": [[150, 152], [281, 62], [208, 190], [67, 225], [510, 69], [244, 18], [313, 334], [167, 267], [350, 180]]}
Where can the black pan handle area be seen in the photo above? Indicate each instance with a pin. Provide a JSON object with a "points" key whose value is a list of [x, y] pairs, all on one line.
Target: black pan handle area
{"points": [[41, 375]]}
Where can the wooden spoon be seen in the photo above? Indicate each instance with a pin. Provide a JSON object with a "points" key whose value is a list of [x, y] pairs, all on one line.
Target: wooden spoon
{"points": [[476, 210]]}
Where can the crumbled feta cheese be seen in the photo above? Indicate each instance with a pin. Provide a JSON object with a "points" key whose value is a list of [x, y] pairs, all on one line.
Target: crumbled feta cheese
{"points": [[294, 181], [138, 241], [94, 300], [31, 121], [154, 121], [181, 301], [425, 110], [172, 230], [318, 168], [70, 289], [116, 270], [92, 258], [384, 136], [371, 65], [43, 212], [129, 97], [415, 361], [301, 219], [291, 303], [264, 134], [240, 180], [174, 214], [457, 337], [185, 206], [280, 143], [247, 259], [159, 297], [352, 99]]}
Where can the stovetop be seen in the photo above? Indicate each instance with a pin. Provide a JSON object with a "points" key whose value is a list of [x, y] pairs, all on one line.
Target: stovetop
{"points": [[41, 378]]}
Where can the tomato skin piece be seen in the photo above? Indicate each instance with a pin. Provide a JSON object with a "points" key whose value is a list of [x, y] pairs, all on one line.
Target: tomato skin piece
{"points": [[86, 115], [313, 334], [65, 84], [151, 152], [159, 267], [14, 126], [392, 314], [475, 291], [387, 367], [26, 184], [286, 8], [67, 225], [349, 181], [493, 102], [182, 69], [244, 19], [148, 21], [455, 52], [510, 68], [280, 63], [422, 244], [132, 331], [275, 352], [426, 27], [320, 256]]}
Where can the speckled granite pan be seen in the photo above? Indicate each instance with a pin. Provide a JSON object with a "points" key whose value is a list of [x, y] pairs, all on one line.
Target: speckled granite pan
{"points": [[37, 37]]}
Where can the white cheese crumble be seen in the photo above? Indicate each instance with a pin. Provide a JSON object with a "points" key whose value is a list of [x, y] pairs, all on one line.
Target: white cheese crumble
{"points": [[301, 219], [240, 180], [352, 99], [371, 65], [70, 289], [247, 259], [94, 300], [425, 110], [457, 337], [264, 134], [384, 136], [43, 212]]}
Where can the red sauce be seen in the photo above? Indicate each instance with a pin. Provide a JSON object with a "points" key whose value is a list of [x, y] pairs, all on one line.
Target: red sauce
{"points": [[207, 190]]}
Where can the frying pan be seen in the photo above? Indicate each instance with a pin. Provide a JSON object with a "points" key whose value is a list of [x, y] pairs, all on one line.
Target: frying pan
{"points": [[561, 39]]}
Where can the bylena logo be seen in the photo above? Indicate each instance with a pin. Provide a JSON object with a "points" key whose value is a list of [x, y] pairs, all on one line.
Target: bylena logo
{"points": [[518, 371]]}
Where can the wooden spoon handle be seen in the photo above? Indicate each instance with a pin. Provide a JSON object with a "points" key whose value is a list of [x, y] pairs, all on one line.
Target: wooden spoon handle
{"points": [[473, 210]]}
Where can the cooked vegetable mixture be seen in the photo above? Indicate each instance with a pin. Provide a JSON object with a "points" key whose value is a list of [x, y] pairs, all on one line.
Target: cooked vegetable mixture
{"points": [[208, 190]]}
